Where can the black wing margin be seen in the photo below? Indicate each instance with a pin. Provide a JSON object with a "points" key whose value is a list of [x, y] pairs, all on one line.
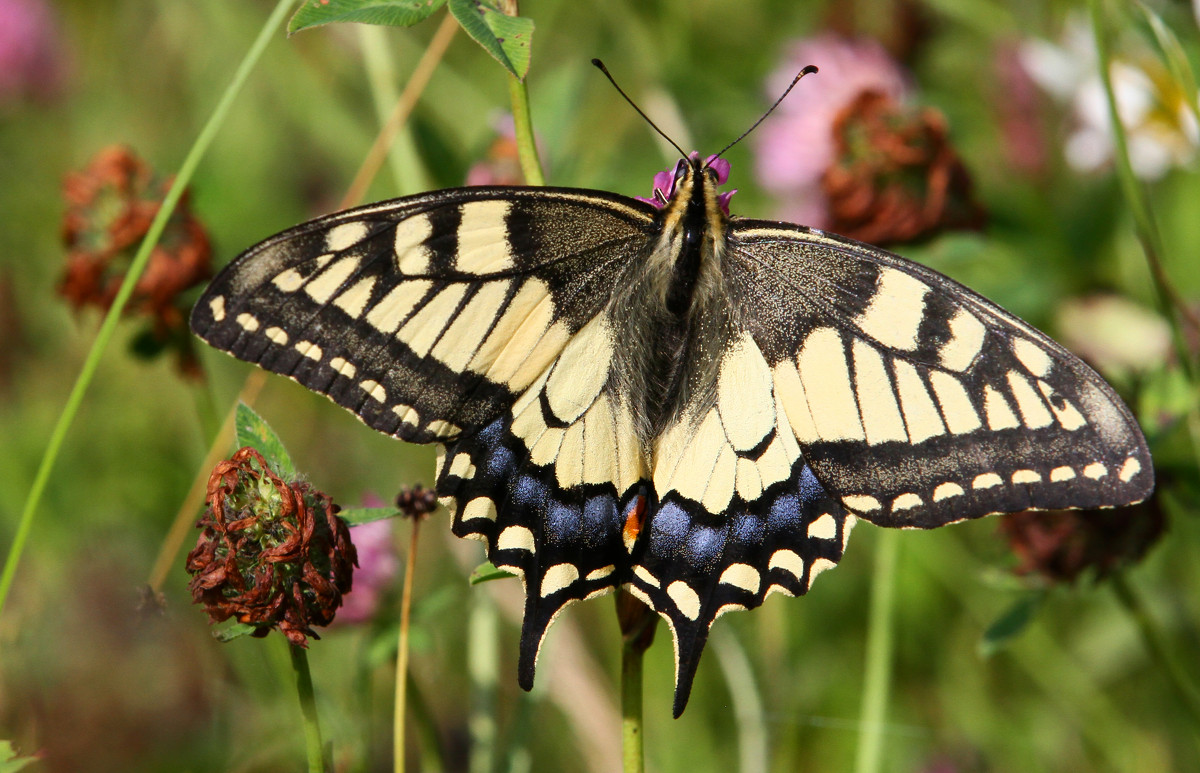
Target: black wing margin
{"points": [[918, 402]]}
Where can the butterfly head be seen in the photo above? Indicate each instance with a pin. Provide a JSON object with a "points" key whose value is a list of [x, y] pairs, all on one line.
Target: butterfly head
{"points": [[682, 183]]}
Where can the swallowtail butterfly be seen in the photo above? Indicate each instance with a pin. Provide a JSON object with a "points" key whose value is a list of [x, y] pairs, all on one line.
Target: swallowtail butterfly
{"points": [[660, 396]]}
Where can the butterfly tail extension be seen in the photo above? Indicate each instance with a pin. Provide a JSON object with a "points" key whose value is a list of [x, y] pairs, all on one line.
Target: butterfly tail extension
{"points": [[565, 544], [694, 566]]}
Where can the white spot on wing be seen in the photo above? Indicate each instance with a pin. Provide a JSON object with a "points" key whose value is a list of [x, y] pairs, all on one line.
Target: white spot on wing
{"points": [[217, 307], [893, 317], [999, 414], [686, 600], [1095, 471], [479, 508], [373, 389], [1026, 476], [288, 281], [957, 409], [826, 379], [789, 561], [354, 300], [309, 350], [1060, 474], [643, 574], [322, 287], [483, 246], [395, 307], [1033, 357], [1068, 415], [1131, 467], [876, 400], [341, 366], [920, 414], [344, 236], [423, 330], [966, 339], [905, 502], [277, 335], [248, 322], [824, 527], [987, 480], [580, 371], [742, 576], [558, 577], [1029, 403], [412, 254], [744, 395], [600, 574], [946, 491], [861, 503], [515, 538]]}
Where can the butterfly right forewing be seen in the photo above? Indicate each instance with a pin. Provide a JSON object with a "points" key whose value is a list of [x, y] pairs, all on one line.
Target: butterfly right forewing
{"points": [[917, 401]]}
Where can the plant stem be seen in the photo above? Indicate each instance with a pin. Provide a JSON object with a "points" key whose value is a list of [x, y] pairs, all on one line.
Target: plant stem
{"points": [[878, 666], [402, 652], [1173, 306], [136, 267], [637, 622], [1156, 644], [417, 82], [308, 708], [518, 95], [531, 164], [633, 751]]}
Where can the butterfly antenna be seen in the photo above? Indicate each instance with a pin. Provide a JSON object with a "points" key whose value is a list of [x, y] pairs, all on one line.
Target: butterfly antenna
{"points": [[600, 66], [810, 69]]}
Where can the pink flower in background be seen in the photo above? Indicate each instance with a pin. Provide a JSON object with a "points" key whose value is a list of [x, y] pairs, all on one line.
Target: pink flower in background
{"points": [[31, 63], [796, 145], [378, 566]]}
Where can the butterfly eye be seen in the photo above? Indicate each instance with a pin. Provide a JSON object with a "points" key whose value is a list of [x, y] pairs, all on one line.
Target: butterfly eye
{"points": [[680, 170]]}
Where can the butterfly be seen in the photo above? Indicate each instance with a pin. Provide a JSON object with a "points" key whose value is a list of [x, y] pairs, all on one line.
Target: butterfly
{"points": [[659, 396]]}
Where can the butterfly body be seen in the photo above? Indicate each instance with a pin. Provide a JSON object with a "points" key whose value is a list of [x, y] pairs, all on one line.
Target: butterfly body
{"points": [[662, 397]]}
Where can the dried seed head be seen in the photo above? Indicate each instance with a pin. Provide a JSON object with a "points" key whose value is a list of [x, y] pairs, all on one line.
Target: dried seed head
{"points": [[271, 554]]}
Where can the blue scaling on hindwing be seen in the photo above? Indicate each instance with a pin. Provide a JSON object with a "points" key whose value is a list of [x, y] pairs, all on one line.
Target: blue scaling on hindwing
{"points": [[692, 566], [565, 543]]}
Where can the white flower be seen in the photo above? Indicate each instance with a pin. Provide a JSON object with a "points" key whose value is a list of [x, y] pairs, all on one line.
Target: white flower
{"points": [[1161, 129]]}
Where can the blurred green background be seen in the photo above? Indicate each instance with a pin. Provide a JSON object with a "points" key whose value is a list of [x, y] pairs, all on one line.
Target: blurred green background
{"points": [[100, 685]]}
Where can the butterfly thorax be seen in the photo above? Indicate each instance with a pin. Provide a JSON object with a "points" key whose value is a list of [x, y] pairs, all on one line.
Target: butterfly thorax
{"points": [[672, 312]]}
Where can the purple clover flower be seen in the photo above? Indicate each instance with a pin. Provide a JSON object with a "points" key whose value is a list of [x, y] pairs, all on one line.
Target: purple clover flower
{"points": [[664, 183]]}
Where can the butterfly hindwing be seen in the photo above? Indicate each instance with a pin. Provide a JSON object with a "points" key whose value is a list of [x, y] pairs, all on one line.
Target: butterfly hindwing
{"points": [[918, 401]]}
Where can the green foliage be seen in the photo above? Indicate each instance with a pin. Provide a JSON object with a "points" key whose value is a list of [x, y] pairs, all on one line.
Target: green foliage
{"points": [[251, 430], [390, 13], [358, 515], [507, 38]]}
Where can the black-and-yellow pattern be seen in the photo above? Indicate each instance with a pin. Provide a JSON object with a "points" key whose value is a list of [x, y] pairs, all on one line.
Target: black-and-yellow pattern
{"points": [[693, 406]]}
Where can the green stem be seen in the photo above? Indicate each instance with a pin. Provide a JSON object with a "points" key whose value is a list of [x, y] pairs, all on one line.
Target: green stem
{"points": [[402, 652], [308, 709], [1156, 644], [1148, 234], [878, 666], [637, 622], [108, 327], [531, 165], [633, 752]]}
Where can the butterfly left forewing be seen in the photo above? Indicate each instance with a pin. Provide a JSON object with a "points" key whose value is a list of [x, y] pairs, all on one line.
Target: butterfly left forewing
{"points": [[917, 401], [425, 316]]}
